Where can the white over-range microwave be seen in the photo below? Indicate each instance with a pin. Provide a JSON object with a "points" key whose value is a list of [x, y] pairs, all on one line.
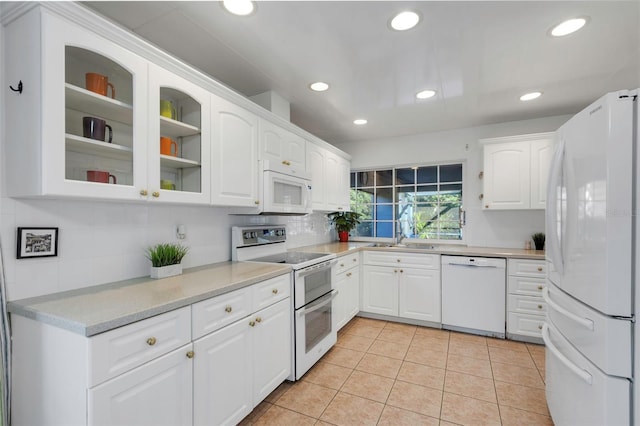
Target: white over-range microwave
{"points": [[284, 190]]}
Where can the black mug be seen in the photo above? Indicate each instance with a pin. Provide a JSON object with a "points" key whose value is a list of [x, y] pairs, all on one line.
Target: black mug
{"points": [[94, 128]]}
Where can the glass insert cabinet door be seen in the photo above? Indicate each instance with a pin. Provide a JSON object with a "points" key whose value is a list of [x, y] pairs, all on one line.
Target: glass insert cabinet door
{"points": [[179, 117], [97, 148]]}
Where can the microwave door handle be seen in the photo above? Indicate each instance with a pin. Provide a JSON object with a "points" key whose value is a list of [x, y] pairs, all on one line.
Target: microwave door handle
{"points": [[318, 305], [309, 200]]}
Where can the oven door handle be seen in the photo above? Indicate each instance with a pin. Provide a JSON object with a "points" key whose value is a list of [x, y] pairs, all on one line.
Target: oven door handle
{"points": [[320, 304]]}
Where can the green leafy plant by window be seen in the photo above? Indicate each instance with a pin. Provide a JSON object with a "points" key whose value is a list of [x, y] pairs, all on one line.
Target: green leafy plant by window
{"points": [[166, 254], [344, 221]]}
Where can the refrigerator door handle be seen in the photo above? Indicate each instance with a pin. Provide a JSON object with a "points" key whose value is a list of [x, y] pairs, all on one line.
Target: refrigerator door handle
{"points": [[552, 208], [585, 322], [571, 366]]}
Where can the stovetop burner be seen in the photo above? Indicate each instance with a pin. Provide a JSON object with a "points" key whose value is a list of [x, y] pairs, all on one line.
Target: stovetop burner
{"points": [[290, 257]]}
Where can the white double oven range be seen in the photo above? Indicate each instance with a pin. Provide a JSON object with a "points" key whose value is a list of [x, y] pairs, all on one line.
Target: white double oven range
{"points": [[314, 323]]}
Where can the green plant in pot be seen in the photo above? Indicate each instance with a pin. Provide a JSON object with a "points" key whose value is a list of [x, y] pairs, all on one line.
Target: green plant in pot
{"points": [[165, 259], [538, 240], [344, 222]]}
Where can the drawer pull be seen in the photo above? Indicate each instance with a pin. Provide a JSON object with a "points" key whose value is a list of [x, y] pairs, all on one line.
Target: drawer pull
{"points": [[348, 274], [252, 323], [540, 287], [191, 354], [354, 259], [228, 309], [274, 291], [155, 194], [395, 271], [539, 306], [151, 341], [342, 265], [143, 192], [539, 268], [258, 319], [540, 327], [398, 260], [401, 271]]}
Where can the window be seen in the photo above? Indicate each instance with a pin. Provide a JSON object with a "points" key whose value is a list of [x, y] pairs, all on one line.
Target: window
{"points": [[419, 202]]}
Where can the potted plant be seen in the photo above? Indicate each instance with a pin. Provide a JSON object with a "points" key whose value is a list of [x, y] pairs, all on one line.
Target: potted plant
{"points": [[344, 223], [165, 259], [538, 240]]}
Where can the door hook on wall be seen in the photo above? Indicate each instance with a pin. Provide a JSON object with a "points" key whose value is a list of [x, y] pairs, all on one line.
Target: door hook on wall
{"points": [[19, 89]]}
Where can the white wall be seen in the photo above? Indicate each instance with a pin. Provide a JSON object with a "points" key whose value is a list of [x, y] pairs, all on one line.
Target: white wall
{"points": [[484, 228]]}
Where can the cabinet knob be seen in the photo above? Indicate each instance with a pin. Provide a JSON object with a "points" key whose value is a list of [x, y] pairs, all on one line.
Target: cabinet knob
{"points": [[540, 287], [348, 274], [486, 206], [398, 260], [191, 354], [143, 192], [155, 194], [401, 271], [339, 208], [342, 265], [540, 327], [395, 271], [258, 319], [252, 323], [274, 291], [151, 341], [228, 309], [354, 259], [481, 196], [539, 268], [256, 202], [539, 306], [286, 163]]}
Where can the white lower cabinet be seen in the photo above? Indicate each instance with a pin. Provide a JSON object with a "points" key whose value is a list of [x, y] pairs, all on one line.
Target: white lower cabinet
{"points": [[526, 310], [347, 282], [163, 370], [239, 365], [133, 398], [405, 285]]}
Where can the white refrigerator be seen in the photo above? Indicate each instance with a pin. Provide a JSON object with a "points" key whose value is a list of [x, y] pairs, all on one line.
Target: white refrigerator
{"points": [[592, 251]]}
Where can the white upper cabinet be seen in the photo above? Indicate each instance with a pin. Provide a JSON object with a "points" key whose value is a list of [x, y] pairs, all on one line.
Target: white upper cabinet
{"points": [[515, 171], [70, 133], [282, 146], [234, 153], [179, 151], [329, 179]]}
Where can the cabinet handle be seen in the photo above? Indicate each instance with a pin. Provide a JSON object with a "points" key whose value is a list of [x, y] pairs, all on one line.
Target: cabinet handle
{"points": [[339, 208], [539, 268], [486, 206], [252, 323], [191, 354], [401, 271], [256, 202], [258, 319], [348, 274], [395, 271], [342, 265], [398, 260], [354, 259], [539, 306], [151, 341], [228, 309], [143, 192], [274, 291], [286, 163], [155, 194], [540, 327], [540, 287]]}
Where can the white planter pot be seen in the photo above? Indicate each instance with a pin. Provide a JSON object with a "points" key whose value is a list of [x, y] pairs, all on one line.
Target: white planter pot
{"points": [[166, 271]]}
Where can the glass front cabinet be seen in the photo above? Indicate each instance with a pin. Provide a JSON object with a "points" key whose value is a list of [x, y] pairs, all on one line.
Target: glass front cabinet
{"points": [[97, 121]]}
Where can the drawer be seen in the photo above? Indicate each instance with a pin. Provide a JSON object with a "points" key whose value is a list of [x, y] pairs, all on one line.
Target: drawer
{"points": [[415, 260], [526, 286], [271, 291], [525, 324], [211, 314], [527, 268], [116, 351], [526, 304], [347, 262]]}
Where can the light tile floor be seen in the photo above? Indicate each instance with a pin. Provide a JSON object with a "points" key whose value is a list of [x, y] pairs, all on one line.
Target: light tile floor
{"points": [[385, 373]]}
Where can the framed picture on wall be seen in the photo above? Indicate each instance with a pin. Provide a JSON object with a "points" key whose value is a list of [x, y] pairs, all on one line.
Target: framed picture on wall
{"points": [[37, 242]]}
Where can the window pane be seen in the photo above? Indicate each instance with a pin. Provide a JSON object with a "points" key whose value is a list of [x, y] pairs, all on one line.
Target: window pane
{"points": [[428, 174], [384, 195], [352, 180], [449, 230], [427, 194], [384, 212], [404, 212], [364, 229], [450, 212], [361, 196], [405, 176], [405, 194], [451, 173], [384, 229], [365, 178], [364, 210], [384, 177]]}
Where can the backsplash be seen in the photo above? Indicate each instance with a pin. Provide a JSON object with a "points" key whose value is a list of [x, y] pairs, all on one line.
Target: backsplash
{"points": [[102, 242]]}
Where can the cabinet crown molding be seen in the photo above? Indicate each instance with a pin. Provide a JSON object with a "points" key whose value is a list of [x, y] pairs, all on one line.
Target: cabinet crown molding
{"points": [[517, 138]]}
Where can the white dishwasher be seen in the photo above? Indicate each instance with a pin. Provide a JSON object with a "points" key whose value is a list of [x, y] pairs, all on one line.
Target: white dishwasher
{"points": [[474, 295]]}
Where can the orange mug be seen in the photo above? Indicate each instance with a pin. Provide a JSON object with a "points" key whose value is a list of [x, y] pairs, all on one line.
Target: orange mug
{"points": [[168, 146], [99, 84], [100, 176]]}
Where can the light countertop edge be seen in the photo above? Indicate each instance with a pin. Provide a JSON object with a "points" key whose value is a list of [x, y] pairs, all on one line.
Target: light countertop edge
{"points": [[93, 310]]}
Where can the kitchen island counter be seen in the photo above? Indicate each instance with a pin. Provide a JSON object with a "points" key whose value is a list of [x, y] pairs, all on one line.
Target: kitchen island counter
{"points": [[93, 310]]}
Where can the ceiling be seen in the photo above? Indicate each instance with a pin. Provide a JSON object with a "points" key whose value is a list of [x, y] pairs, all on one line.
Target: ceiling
{"points": [[479, 56]]}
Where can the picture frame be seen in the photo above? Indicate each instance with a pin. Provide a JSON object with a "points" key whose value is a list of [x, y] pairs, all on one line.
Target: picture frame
{"points": [[37, 242]]}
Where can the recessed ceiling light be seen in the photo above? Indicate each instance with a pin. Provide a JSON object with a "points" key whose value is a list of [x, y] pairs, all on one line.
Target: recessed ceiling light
{"points": [[360, 121], [319, 86], [405, 21], [426, 94], [530, 96], [239, 7], [569, 26]]}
